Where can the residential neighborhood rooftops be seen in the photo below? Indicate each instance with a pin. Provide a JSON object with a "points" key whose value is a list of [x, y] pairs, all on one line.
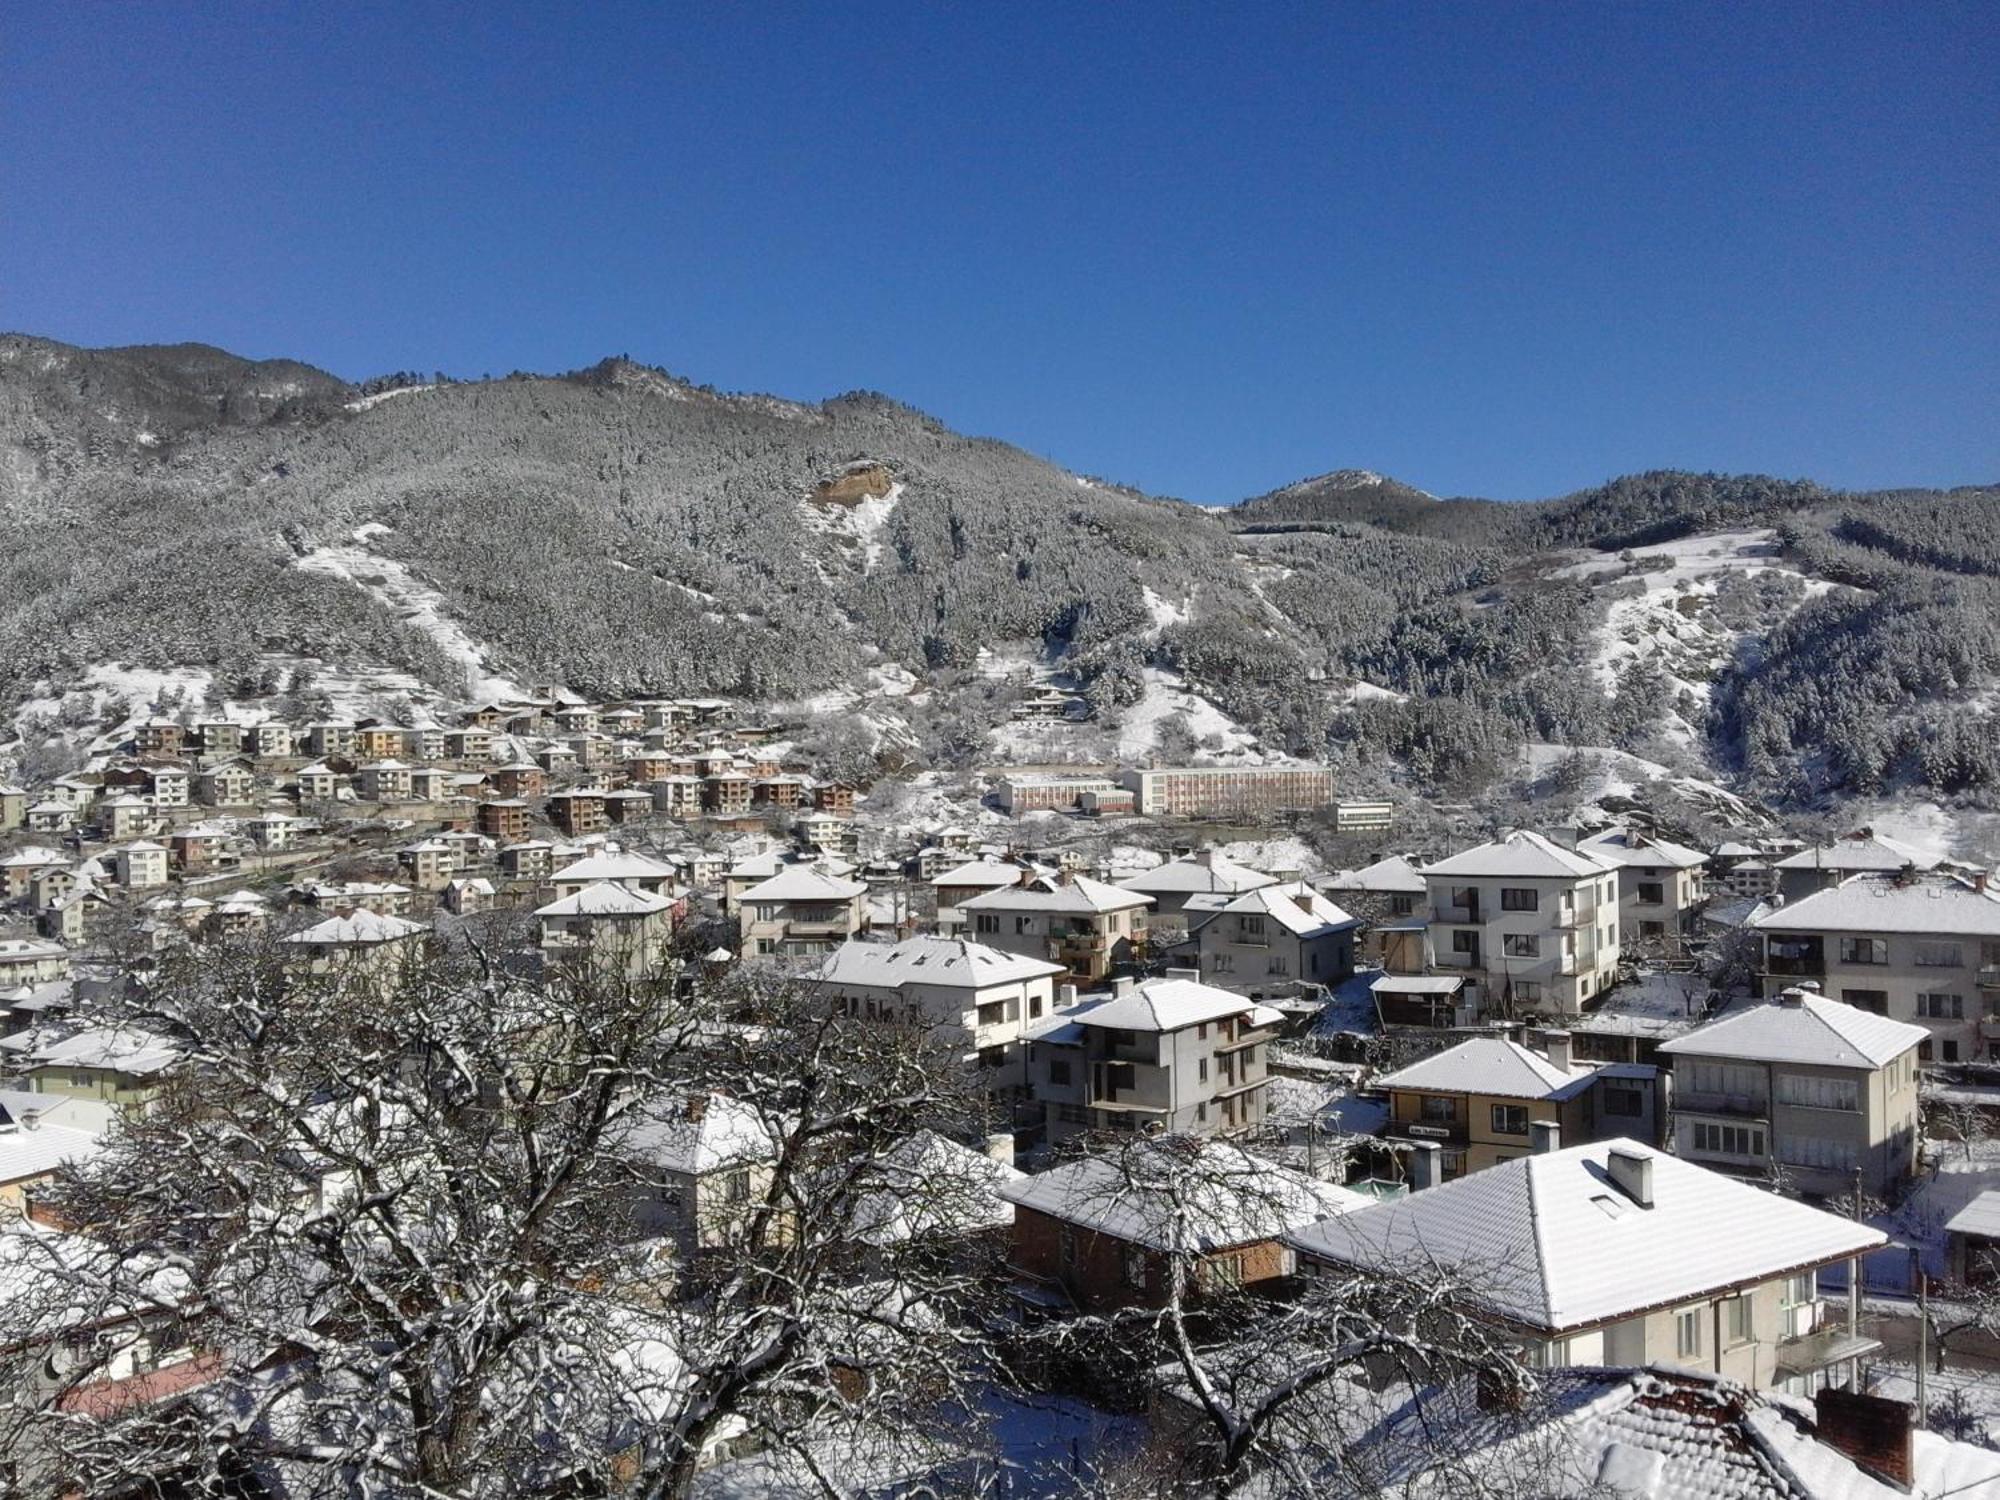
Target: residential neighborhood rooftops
{"points": [[1862, 850], [1395, 876], [803, 883], [1080, 895], [1802, 1028], [356, 929], [613, 866], [1170, 1004], [606, 899], [114, 1049], [1573, 1238], [1296, 907], [1523, 855], [1191, 873], [1629, 846]]}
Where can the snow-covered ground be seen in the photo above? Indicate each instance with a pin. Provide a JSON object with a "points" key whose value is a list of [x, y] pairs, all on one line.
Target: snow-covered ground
{"points": [[420, 605], [1166, 614], [1167, 693], [1617, 774], [862, 522], [366, 403]]}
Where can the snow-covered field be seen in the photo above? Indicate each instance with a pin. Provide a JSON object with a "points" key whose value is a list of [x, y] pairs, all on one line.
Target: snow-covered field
{"points": [[862, 522], [420, 605], [1167, 693]]}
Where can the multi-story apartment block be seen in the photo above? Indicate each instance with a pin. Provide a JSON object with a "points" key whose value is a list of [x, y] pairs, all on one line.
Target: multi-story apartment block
{"points": [[159, 737], [609, 926], [1529, 926], [1168, 1054], [580, 813], [1801, 1090], [1028, 793], [1617, 1254], [1185, 879], [801, 910], [384, 781], [1275, 941], [1920, 947], [1489, 1099], [972, 996], [1660, 885], [270, 740], [1228, 791], [505, 819], [1084, 925], [220, 737]]}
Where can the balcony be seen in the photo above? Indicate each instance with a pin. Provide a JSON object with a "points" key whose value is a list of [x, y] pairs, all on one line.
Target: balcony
{"points": [[1735, 1106], [1830, 1343], [1578, 916], [1988, 977], [818, 927], [1795, 966]]}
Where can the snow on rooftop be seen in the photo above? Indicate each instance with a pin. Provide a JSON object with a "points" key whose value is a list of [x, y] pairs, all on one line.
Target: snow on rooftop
{"points": [[1812, 1029]]}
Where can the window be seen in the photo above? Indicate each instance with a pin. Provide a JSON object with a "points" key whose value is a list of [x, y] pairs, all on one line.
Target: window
{"points": [[1463, 940], [1728, 1140], [1819, 1093], [985, 921], [1870, 1000], [1201, 1069], [1222, 1273], [1435, 1107], [1402, 906], [1034, 1007], [1465, 897], [736, 1187], [1625, 1104], [1520, 898], [1947, 1050], [1652, 893], [1510, 1119], [1938, 1007], [1939, 955], [1059, 1070], [1816, 1152], [1687, 1334], [1023, 926], [1253, 926], [1135, 1267], [1528, 991], [992, 1057], [1738, 1325], [1521, 945], [1863, 950]]}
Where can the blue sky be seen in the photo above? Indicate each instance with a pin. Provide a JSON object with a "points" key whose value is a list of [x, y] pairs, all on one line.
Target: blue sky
{"points": [[1508, 250]]}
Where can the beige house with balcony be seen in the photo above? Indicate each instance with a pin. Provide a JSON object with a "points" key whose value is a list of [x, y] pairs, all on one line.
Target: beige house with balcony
{"points": [[1660, 885], [1528, 926], [607, 926], [1617, 1254], [973, 996], [1275, 942], [1863, 852], [801, 910], [1802, 1090], [1085, 925], [1169, 1054], [1916, 946]]}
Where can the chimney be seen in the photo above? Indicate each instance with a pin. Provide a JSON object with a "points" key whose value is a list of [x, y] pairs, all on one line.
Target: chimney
{"points": [[1065, 996], [1545, 1136], [1425, 1162], [697, 1106], [1979, 881], [1304, 897], [1632, 1173], [1122, 985], [1793, 996], [1557, 1044], [1872, 1431], [999, 1147], [1191, 974]]}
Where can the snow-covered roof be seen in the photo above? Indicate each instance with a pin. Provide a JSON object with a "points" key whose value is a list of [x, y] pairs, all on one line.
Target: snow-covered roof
{"points": [[1080, 894], [1553, 1242], [1226, 1197], [1417, 984], [803, 883], [1196, 873], [931, 1185], [117, 1049], [1396, 875], [1627, 846], [1930, 903], [1296, 907], [359, 928], [609, 866], [1165, 1005], [606, 899], [1980, 1217], [1862, 851], [1802, 1028], [727, 1133], [34, 854], [953, 963], [1525, 854], [32, 1151], [988, 872], [1482, 1065]]}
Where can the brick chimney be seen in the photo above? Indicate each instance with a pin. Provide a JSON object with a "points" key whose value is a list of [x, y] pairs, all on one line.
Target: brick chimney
{"points": [[1871, 1430]]}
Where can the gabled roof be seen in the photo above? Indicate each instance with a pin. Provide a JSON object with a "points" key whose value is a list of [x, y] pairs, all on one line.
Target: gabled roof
{"points": [[116, 1049], [1080, 895], [1945, 905], [727, 1134], [950, 963], [613, 867], [1482, 1065], [1553, 1243], [988, 872], [803, 883], [1296, 907], [1862, 851], [1525, 854], [359, 928], [1165, 1005], [1628, 846], [1221, 1196], [1396, 875], [1201, 873], [606, 899], [1811, 1030], [1980, 1217]]}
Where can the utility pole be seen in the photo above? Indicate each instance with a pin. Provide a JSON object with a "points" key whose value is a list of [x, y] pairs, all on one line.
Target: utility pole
{"points": [[1854, 1295], [1923, 1336]]}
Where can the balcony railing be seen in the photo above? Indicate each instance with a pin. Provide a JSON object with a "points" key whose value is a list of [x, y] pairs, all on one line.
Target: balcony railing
{"points": [[1830, 1343], [1988, 977], [1791, 966], [1741, 1106]]}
